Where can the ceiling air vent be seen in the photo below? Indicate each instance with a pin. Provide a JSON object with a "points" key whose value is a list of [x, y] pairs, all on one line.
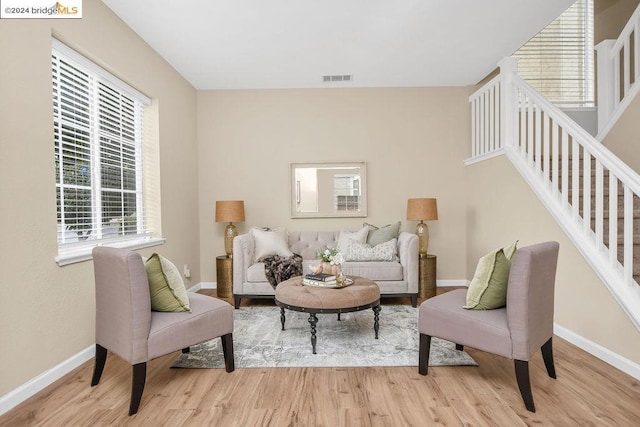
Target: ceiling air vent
{"points": [[337, 78]]}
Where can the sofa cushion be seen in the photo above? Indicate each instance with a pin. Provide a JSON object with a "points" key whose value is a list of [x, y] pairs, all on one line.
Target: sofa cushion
{"points": [[379, 235], [374, 270], [343, 240], [270, 242], [358, 251]]}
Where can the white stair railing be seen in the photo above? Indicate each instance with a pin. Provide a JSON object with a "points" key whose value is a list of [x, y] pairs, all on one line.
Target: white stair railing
{"points": [[618, 74], [575, 176]]}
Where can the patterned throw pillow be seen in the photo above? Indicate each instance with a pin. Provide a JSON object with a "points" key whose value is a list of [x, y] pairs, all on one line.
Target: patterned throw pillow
{"points": [[359, 251], [346, 236]]}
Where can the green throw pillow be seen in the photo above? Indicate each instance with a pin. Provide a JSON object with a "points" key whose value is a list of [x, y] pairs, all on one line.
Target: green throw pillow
{"points": [[488, 289], [166, 287], [379, 235]]}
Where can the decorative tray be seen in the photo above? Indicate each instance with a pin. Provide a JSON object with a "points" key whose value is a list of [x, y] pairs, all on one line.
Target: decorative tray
{"points": [[331, 285]]}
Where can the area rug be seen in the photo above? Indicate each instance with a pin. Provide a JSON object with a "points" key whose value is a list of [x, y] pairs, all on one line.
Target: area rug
{"points": [[259, 341]]}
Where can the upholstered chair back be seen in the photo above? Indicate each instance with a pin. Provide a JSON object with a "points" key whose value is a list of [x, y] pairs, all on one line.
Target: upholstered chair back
{"points": [[123, 304], [530, 297]]}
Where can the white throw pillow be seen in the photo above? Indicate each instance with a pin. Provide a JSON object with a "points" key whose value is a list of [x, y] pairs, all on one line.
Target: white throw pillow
{"points": [[270, 242], [358, 236], [359, 251]]}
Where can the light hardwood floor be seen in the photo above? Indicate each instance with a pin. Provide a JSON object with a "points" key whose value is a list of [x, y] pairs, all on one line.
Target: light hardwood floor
{"points": [[588, 392]]}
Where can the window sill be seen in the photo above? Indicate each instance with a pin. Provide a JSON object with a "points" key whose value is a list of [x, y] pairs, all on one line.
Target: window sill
{"points": [[72, 256]]}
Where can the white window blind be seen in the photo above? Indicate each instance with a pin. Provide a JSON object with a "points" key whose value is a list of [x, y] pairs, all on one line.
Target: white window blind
{"points": [[98, 155], [558, 61]]}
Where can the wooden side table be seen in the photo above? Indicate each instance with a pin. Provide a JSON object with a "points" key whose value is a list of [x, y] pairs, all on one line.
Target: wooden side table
{"points": [[427, 276], [224, 273]]}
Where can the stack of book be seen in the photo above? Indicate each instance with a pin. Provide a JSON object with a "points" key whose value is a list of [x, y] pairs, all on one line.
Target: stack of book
{"points": [[319, 279]]}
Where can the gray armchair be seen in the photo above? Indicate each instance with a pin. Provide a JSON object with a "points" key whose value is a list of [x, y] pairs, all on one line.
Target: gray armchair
{"points": [[126, 326], [515, 331]]}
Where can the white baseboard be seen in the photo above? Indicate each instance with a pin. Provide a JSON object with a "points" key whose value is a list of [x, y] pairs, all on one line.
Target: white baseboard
{"points": [[202, 285], [627, 366], [208, 285], [33, 386], [195, 288], [445, 283]]}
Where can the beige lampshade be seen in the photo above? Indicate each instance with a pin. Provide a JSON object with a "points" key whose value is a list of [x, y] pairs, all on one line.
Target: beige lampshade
{"points": [[424, 209], [230, 211]]}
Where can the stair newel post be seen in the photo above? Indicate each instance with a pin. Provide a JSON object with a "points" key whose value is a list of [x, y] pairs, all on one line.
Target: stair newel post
{"points": [[508, 102], [606, 82]]}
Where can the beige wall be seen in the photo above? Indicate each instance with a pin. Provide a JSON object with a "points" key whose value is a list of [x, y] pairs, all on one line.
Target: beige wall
{"points": [[502, 208], [624, 137], [413, 140], [47, 312], [610, 17]]}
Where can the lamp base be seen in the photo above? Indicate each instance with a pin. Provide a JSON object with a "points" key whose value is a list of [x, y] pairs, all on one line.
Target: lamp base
{"points": [[422, 230], [230, 231]]}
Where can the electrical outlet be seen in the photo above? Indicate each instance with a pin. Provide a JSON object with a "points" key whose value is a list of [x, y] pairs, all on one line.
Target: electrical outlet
{"points": [[186, 271]]}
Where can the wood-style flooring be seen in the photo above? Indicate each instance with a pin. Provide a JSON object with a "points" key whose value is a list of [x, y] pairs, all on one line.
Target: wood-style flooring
{"points": [[588, 392]]}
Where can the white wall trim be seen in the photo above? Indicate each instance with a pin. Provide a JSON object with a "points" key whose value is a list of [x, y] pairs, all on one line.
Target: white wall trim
{"points": [[483, 157], [627, 366], [195, 288], [208, 285], [33, 386], [459, 282]]}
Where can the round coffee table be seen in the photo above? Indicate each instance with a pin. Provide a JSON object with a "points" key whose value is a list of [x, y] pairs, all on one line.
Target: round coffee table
{"points": [[362, 294]]}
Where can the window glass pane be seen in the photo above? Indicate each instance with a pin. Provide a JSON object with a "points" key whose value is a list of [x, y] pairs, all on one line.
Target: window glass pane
{"points": [[76, 155], [97, 132], [76, 207]]}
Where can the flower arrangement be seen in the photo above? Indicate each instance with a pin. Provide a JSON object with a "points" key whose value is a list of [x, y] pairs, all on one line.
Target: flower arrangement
{"points": [[330, 255]]}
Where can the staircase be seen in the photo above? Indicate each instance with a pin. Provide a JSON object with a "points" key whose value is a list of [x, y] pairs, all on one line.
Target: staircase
{"points": [[607, 218], [554, 155]]}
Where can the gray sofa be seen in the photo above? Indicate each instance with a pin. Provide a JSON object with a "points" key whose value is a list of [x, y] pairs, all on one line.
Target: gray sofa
{"points": [[395, 278]]}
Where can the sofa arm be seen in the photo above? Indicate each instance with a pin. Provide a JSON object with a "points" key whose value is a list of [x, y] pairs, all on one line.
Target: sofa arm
{"points": [[408, 254], [242, 260]]}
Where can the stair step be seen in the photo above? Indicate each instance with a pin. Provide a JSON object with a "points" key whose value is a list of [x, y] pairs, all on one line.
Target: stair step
{"points": [[605, 200]]}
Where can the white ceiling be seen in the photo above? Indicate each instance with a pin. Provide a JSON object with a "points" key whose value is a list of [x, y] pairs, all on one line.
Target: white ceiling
{"points": [[251, 44]]}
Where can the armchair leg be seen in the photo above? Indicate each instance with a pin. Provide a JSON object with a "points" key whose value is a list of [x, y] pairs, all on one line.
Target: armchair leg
{"points": [[186, 350], [236, 301], [459, 347], [98, 367], [522, 376], [137, 386], [414, 300], [227, 350], [547, 356], [423, 355]]}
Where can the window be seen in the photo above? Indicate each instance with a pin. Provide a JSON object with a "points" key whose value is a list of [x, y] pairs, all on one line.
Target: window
{"points": [[558, 61], [98, 157]]}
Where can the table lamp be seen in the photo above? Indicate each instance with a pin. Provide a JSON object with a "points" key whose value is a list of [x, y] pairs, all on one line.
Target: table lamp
{"points": [[229, 211], [424, 209]]}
